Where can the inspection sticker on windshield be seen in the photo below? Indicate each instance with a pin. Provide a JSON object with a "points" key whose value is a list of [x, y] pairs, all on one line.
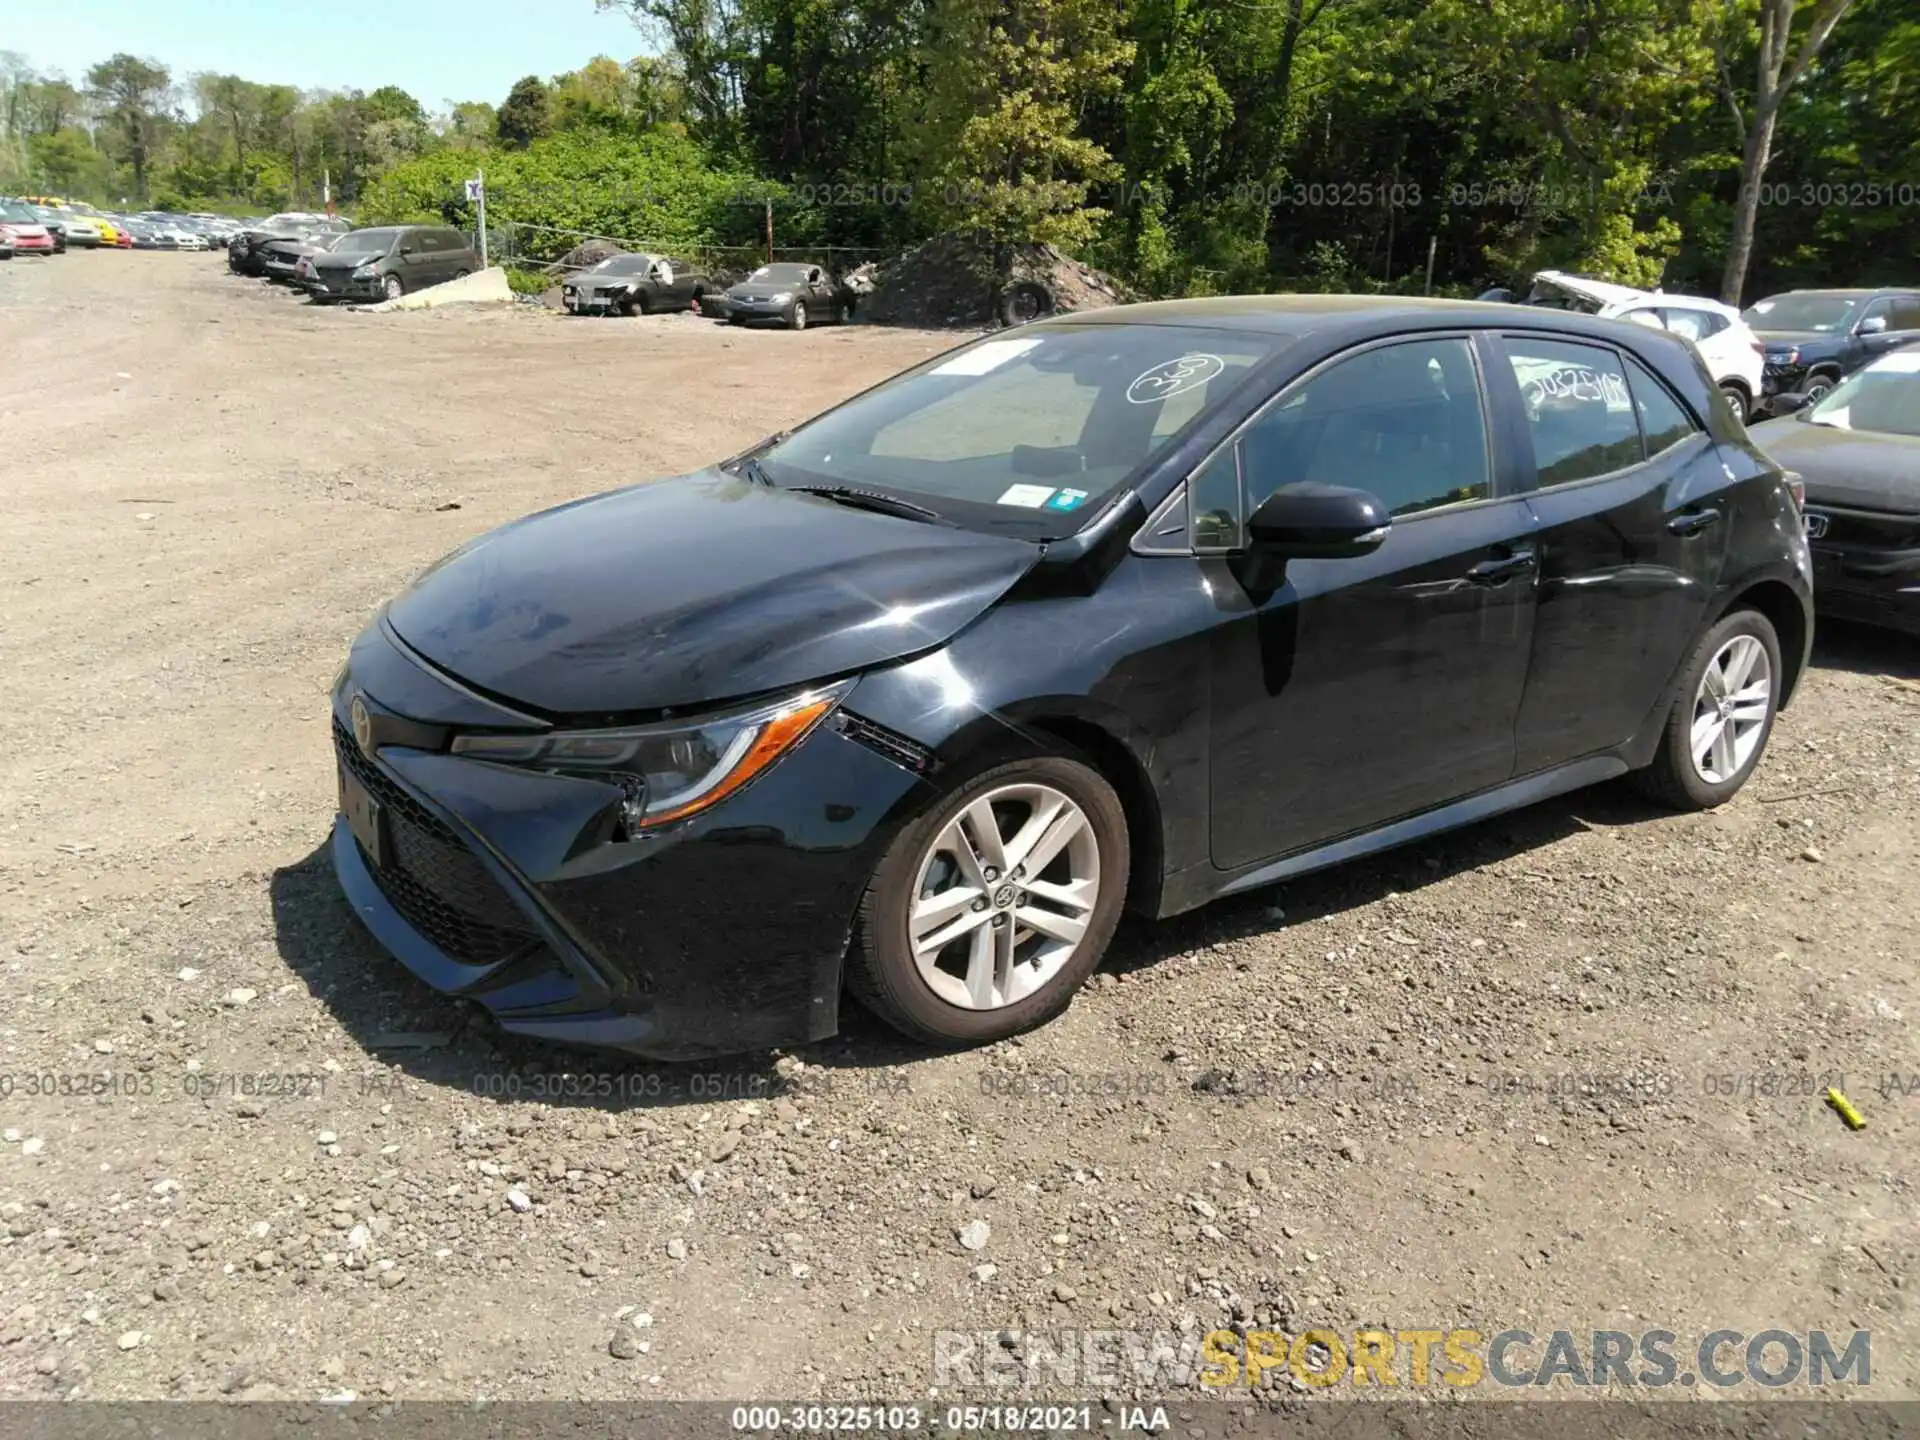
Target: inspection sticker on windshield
{"points": [[1027, 497], [1174, 377], [985, 357], [1067, 500]]}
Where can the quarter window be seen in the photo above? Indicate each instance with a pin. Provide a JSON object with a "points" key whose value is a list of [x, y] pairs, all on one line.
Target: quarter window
{"points": [[1579, 409], [1403, 422], [1662, 420]]}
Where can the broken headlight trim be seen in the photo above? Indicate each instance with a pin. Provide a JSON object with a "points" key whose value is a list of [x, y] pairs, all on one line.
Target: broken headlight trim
{"points": [[676, 769]]}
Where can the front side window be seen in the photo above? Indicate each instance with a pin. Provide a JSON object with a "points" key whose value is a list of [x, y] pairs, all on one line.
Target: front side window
{"points": [[1579, 409], [1403, 422], [1026, 434], [1906, 313]]}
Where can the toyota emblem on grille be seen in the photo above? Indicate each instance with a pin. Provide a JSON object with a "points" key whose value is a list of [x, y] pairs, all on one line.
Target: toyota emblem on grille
{"points": [[362, 725], [1816, 524]]}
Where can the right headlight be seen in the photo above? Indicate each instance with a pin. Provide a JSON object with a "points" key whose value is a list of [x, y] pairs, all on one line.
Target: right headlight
{"points": [[673, 770]]}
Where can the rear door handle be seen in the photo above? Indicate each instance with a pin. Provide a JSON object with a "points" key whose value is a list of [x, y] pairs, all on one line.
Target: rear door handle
{"points": [[1692, 522], [1502, 568]]}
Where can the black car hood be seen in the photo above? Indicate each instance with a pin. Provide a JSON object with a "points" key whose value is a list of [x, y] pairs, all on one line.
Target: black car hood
{"points": [[1804, 339], [1854, 469], [695, 590]]}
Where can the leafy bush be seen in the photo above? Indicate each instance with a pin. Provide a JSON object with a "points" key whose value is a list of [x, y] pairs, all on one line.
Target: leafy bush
{"points": [[659, 188]]}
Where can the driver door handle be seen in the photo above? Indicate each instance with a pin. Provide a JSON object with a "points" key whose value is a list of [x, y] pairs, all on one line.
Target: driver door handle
{"points": [[1503, 567], [1692, 522]]}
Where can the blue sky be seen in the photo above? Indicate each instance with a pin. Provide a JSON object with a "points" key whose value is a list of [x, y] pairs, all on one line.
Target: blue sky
{"points": [[438, 50]]}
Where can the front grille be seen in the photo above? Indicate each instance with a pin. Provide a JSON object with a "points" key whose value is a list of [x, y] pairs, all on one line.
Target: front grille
{"points": [[439, 886]]}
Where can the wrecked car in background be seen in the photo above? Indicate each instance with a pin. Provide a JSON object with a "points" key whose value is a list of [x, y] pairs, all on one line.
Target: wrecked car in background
{"points": [[638, 284]]}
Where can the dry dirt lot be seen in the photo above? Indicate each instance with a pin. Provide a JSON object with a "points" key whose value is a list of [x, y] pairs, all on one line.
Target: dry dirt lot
{"points": [[1340, 1104]]}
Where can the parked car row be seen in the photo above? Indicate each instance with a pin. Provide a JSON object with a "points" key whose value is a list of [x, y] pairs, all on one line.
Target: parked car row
{"points": [[792, 294], [329, 259], [73, 224]]}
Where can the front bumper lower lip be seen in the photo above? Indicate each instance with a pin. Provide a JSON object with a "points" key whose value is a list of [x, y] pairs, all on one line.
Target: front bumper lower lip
{"points": [[724, 935]]}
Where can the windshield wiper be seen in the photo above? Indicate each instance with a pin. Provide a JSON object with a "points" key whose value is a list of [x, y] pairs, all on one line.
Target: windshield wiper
{"points": [[750, 466], [876, 500]]}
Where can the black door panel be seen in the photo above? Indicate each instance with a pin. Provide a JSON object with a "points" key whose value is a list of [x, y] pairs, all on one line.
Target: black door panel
{"points": [[1629, 548], [1628, 566], [1368, 689]]}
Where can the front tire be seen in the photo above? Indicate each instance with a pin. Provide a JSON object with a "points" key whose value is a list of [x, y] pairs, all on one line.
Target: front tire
{"points": [[797, 317], [393, 287], [1722, 715], [991, 909]]}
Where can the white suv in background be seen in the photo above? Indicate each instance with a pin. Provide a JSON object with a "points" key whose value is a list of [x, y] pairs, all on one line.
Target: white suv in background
{"points": [[1734, 354]]}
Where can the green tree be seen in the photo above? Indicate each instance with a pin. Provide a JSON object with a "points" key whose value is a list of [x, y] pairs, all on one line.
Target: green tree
{"points": [[527, 115], [133, 96], [1001, 146], [1779, 61]]}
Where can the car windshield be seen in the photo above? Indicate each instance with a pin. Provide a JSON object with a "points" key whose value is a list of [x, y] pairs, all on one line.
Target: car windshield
{"points": [[781, 274], [365, 242], [1814, 310], [1883, 398], [622, 265], [1024, 433], [14, 210]]}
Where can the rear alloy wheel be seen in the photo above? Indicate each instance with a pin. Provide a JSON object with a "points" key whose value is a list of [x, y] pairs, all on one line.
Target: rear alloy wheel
{"points": [[1722, 715], [1737, 398], [994, 907], [797, 317], [394, 286]]}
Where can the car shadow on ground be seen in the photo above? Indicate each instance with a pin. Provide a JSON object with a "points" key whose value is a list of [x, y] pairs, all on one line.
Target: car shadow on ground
{"points": [[403, 1024], [1865, 650]]}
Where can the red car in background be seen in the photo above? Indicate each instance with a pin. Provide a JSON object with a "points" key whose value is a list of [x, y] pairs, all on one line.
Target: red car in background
{"points": [[24, 229]]}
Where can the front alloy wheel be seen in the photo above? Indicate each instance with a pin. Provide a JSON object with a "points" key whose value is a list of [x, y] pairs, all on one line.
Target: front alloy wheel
{"points": [[797, 317], [394, 287], [994, 907]]}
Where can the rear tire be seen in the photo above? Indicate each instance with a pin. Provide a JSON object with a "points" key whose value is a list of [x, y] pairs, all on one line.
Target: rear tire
{"points": [[1676, 778], [1737, 397], [1033, 981]]}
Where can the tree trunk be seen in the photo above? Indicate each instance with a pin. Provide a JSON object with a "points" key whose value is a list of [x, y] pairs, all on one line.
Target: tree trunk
{"points": [[1746, 210]]}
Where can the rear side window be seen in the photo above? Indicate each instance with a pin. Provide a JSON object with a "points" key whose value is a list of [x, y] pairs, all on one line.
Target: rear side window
{"points": [[451, 240], [1695, 325], [1662, 420], [1579, 409], [429, 241], [1905, 313]]}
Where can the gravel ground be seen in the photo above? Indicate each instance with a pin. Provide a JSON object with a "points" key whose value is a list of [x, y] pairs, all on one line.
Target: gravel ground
{"points": [[1336, 1104]]}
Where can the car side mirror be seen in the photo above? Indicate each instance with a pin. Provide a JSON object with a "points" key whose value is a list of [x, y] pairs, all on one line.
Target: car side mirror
{"points": [[406, 249], [1873, 325], [1318, 522]]}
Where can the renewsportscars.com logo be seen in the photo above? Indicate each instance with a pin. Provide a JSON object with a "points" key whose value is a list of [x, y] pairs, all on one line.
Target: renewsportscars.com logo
{"points": [[1460, 1358]]}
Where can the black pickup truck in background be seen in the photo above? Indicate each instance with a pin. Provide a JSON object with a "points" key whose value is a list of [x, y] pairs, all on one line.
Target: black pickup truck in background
{"points": [[1816, 338]]}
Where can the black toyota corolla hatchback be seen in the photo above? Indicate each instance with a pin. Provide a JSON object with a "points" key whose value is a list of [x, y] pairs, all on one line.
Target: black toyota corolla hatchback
{"points": [[1136, 608]]}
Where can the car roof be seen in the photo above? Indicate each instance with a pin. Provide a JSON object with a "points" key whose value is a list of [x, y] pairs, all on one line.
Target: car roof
{"points": [[1296, 314], [1846, 290]]}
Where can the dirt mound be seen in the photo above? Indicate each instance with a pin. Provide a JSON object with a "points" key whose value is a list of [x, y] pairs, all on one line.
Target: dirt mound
{"points": [[964, 278], [585, 255]]}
